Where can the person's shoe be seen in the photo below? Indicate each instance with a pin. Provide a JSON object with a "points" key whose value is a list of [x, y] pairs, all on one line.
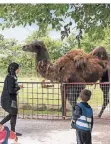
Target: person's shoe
{"points": [[18, 134]]}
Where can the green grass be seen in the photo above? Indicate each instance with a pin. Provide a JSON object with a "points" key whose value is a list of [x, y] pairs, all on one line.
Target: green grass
{"points": [[34, 94], [37, 95], [32, 112]]}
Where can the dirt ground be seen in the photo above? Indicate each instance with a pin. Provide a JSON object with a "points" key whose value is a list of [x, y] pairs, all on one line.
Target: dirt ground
{"points": [[58, 132]]}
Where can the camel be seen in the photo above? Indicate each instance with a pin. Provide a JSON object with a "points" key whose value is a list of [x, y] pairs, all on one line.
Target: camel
{"points": [[73, 67]]}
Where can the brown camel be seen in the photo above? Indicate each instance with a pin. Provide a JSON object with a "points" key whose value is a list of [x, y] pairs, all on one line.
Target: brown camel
{"points": [[75, 66]]}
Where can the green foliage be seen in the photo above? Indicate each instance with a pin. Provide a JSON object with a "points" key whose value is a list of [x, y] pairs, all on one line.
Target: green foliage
{"points": [[37, 35], [88, 17], [90, 42], [11, 50]]}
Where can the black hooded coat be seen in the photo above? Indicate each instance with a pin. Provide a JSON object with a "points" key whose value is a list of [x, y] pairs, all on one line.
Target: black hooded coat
{"points": [[9, 93]]}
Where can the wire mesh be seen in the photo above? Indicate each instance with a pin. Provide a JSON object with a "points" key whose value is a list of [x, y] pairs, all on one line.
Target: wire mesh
{"points": [[99, 100], [56, 101]]}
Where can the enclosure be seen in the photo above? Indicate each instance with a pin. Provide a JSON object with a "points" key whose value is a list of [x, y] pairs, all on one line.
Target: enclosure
{"points": [[38, 102]]}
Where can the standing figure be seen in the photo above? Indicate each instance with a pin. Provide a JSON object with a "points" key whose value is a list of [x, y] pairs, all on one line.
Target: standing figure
{"points": [[9, 96], [82, 119]]}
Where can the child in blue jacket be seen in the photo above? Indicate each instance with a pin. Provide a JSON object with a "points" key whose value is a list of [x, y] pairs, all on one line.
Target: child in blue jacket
{"points": [[83, 118]]}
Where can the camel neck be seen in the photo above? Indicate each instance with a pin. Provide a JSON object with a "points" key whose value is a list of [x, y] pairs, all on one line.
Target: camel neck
{"points": [[42, 56]]}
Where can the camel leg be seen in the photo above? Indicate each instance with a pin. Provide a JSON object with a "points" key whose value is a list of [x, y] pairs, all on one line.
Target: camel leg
{"points": [[105, 102], [73, 94], [62, 98], [72, 97]]}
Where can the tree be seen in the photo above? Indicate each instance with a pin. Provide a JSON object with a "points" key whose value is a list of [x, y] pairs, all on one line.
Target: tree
{"points": [[11, 51], [63, 17], [89, 43]]}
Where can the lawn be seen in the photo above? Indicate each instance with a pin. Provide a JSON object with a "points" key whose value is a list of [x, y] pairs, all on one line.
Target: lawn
{"points": [[33, 95]]}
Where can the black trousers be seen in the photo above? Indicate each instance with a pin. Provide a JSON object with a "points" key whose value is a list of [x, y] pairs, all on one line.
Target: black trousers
{"points": [[83, 137], [12, 119]]}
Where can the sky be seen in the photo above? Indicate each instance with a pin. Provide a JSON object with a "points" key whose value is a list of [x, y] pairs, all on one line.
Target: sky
{"points": [[20, 33]]}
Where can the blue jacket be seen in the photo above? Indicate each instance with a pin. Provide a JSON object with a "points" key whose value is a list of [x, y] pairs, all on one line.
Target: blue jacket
{"points": [[83, 115]]}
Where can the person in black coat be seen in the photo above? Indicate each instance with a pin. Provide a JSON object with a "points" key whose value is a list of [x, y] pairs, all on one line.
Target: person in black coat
{"points": [[9, 95]]}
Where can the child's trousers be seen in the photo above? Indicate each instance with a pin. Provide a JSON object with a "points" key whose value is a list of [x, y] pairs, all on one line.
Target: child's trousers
{"points": [[83, 137]]}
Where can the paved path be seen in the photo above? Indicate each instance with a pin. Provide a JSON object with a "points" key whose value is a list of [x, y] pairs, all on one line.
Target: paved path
{"points": [[58, 132]]}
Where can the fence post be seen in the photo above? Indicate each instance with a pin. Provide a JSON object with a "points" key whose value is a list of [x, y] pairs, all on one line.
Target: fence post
{"points": [[63, 97], [64, 100]]}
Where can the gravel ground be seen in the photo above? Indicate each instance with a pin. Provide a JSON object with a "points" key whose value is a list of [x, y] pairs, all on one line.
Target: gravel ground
{"points": [[58, 132]]}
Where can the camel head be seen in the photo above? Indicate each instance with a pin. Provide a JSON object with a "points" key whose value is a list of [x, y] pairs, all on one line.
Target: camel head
{"points": [[100, 52], [35, 46], [42, 56], [39, 48]]}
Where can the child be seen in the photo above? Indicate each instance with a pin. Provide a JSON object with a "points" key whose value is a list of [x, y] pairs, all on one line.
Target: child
{"points": [[6, 136], [9, 96], [82, 118]]}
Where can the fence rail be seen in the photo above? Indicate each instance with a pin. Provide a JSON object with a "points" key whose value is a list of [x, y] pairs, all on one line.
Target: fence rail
{"points": [[53, 101]]}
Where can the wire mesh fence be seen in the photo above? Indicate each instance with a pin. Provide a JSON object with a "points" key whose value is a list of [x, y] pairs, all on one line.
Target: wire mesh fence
{"points": [[55, 101], [99, 100]]}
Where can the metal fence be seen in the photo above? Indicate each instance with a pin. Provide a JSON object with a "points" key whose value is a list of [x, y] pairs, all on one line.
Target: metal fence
{"points": [[36, 101]]}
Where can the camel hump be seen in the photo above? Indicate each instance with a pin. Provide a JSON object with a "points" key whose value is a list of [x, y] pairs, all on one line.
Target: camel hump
{"points": [[80, 62]]}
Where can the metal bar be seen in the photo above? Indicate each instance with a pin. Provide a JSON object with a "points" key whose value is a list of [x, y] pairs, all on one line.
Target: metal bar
{"points": [[64, 101]]}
